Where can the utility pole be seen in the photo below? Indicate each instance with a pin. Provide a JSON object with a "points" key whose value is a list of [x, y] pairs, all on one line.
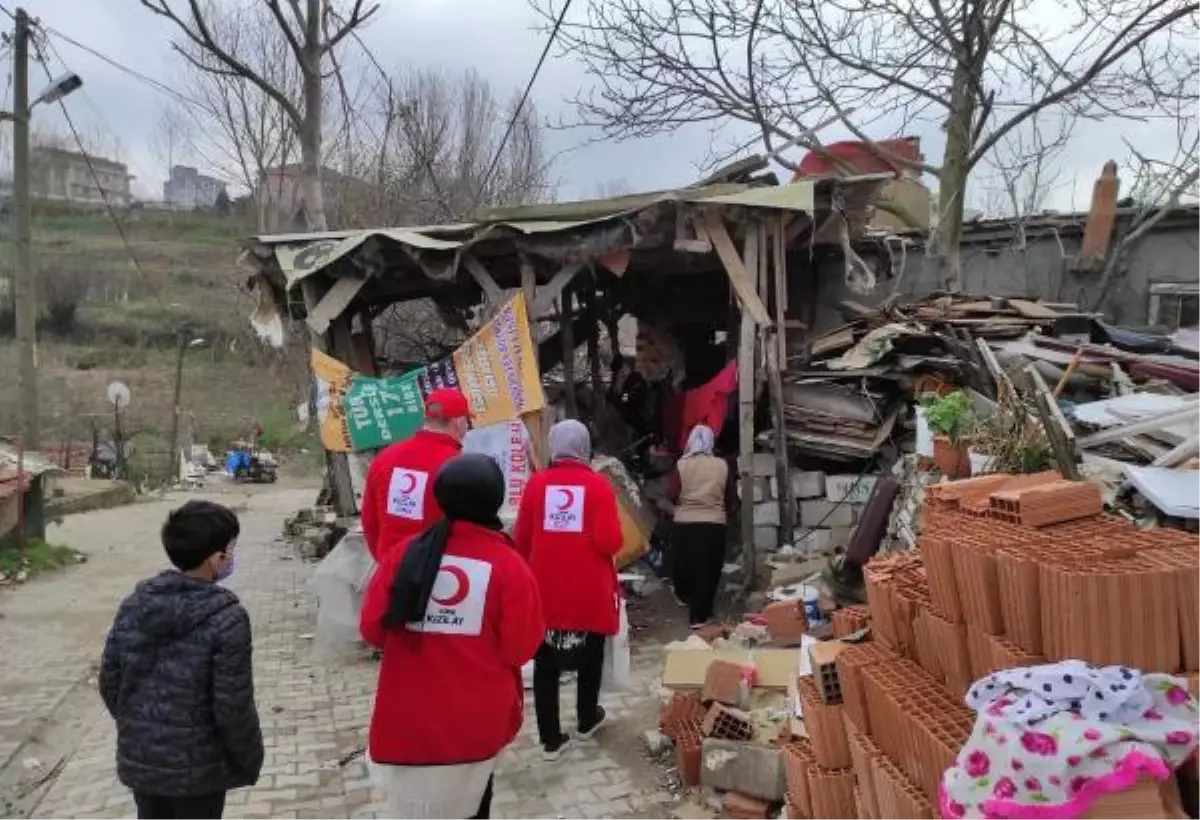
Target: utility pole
{"points": [[173, 461], [25, 290]]}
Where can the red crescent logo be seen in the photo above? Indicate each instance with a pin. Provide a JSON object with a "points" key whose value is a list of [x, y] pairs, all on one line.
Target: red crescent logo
{"points": [[462, 586], [412, 483], [569, 500]]}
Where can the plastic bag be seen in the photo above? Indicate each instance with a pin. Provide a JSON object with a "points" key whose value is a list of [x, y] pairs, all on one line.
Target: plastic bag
{"points": [[341, 581], [616, 673]]}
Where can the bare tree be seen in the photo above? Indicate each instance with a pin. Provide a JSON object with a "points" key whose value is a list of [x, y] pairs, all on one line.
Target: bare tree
{"points": [[978, 69], [313, 30], [429, 141], [1159, 186], [1024, 169], [171, 140]]}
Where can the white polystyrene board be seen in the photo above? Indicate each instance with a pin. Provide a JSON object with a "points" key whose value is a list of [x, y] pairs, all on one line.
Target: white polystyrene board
{"points": [[1124, 409], [1175, 492]]}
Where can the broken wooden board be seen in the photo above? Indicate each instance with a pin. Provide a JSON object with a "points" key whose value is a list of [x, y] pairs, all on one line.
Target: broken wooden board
{"points": [[685, 668], [1032, 310]]}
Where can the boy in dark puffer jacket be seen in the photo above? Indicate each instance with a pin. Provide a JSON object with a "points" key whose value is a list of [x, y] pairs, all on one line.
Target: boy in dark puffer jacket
{"points": [[176, 675]]}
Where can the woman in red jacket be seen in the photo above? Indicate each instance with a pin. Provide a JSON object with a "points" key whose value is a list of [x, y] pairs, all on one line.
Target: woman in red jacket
{"points": [[456, 612], [569, 528]]}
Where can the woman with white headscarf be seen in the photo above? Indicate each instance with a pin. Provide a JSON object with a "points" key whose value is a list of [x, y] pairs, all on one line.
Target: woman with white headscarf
{"points": [[569, 529], [701, 488]]}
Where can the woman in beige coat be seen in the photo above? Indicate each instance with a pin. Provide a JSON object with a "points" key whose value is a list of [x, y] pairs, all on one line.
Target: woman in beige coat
{"points": [[702, 495]]}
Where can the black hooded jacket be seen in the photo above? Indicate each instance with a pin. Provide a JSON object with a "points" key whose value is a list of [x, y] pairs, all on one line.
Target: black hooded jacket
{"points": [[176, 676]]}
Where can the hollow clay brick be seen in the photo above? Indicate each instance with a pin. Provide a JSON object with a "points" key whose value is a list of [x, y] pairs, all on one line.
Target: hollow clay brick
{"points": [[939, 569], [849, 619], [727, 722], [688, 744], [950, 643], [797, 760], [740, 805], [832, 792], [926, 644], [975, 570], [681, 708], [1020, 603], [897, 795], [786, 621], [823, 721], [727, 682], [850, 663], [862, 751]]}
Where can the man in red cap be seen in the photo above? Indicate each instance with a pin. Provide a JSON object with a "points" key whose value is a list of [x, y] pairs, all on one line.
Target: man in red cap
{"points": [[398, 498]]}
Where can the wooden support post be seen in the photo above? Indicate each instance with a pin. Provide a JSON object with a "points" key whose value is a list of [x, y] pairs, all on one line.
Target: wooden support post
{"points": [[745, 368], [740, 275], [593, 349], [747, 390], [776, 362], [533, 421], [567, 329], [779, 252], [339, 481]]}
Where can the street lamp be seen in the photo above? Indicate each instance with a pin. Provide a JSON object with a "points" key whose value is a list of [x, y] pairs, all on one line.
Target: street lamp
{"points": [[25, 297]]}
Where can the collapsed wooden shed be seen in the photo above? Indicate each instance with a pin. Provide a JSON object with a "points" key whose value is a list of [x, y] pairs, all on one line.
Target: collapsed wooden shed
{"points": [[740, 258]]}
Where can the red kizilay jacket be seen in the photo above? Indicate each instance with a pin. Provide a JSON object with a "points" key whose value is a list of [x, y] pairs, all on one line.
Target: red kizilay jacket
{"points": [[452, 692], [569, 529], [398, 498]]}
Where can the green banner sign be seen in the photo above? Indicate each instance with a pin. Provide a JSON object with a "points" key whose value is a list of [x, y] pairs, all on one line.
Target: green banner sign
{"points": [[380, 412]]}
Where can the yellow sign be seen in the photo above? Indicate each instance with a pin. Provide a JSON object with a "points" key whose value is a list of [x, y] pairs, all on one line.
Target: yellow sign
{"points": [[497, 368]]}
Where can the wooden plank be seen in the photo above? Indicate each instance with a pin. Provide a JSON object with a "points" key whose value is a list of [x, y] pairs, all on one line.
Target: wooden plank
{"points": [[686, 668], [568, 345], [745, 368], [492, 295], [1062, 437], [333, 303], [683, 241], [1032, 310], [548, 293], [777, 360], [713, 229]]}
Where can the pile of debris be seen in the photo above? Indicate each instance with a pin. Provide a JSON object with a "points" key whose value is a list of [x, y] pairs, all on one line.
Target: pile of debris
{"points": [[314, 531]]}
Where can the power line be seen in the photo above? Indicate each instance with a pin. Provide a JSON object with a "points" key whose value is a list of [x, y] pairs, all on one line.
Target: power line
{"points": [[153, 83], [112, 215], [512, 122]]}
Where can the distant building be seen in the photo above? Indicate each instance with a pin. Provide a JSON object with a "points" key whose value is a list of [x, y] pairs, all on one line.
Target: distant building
{"points": [[64, 176], [189, 189]]}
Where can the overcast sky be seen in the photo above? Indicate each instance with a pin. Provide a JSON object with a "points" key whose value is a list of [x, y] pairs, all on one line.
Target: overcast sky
{"points": [[497, 38]]}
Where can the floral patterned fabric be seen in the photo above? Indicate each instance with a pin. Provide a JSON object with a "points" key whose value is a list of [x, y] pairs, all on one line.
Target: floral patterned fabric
{"points": [[1051, 752]]}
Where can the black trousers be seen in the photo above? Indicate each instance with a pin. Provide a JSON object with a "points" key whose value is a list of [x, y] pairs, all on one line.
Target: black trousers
{"points": [[546, 672], [698, 552], [193, 807]]}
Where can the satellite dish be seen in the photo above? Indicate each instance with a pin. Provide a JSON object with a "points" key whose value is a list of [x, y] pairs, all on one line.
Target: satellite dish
{"points": [[118, 395]]}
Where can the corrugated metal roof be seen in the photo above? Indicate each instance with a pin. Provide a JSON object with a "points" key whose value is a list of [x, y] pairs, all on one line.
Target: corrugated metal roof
{"points": [[300, 255]]}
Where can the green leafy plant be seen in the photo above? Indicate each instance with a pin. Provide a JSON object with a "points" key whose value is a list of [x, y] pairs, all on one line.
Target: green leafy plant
{"points": [[949, 415]]}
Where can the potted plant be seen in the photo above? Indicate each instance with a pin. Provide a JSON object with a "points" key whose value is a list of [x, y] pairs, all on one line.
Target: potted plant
{"points": [[949, 418]]}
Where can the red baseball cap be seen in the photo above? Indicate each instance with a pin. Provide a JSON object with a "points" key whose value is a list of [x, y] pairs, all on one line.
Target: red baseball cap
{"points": [[446, 403]]}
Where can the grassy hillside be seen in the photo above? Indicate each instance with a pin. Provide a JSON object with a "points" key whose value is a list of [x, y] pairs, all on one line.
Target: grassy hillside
{"points": [[105, 318]]}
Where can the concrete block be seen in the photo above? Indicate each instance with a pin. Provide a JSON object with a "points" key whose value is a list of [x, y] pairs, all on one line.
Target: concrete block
{"points": [[762, 464], [761, 488], [822, 513], [839, 536], [749, 768], [853, 489], [766, 514], [814, 541], [808, 485], [766, 538]]}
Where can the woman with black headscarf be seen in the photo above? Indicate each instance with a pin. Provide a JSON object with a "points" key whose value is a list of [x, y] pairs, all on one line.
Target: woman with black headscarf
{"points": [[457, 614]]}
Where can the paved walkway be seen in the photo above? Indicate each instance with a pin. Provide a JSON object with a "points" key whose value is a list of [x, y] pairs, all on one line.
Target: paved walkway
{"points": [[54, 729]]}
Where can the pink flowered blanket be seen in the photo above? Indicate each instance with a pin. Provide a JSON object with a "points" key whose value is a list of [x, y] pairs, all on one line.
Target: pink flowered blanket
{"points": [[1050, 740]]}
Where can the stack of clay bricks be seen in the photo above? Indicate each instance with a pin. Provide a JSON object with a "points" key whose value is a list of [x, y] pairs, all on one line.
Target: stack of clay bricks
{"points": [[1023, 569], [680, 720], [1010, 571], [848, 620]]}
